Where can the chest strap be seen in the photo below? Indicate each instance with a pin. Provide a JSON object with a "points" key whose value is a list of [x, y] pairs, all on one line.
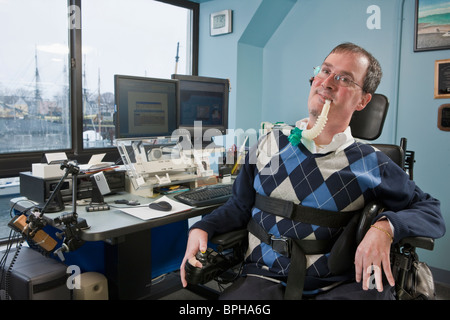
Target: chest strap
{"points": [[297, 212], [296, 250]]}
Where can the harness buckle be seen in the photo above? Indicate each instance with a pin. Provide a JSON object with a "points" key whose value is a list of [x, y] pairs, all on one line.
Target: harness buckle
{"points": [[281, 244]]}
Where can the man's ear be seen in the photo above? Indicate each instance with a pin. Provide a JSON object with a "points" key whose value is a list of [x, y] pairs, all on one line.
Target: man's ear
{"points": [[365, 99]]}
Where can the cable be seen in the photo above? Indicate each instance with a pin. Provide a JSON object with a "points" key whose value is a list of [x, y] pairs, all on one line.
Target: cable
{"points": [[6, 272]]}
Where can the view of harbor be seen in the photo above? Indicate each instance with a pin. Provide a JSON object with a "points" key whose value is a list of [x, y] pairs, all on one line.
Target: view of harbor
{"points": [[30, 122]]}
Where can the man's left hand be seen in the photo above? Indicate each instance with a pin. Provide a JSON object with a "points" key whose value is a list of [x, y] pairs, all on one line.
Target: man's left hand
{"points": [[373, 255]]}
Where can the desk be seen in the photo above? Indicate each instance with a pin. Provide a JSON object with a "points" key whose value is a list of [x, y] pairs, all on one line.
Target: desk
{"points": [[127, 242]]}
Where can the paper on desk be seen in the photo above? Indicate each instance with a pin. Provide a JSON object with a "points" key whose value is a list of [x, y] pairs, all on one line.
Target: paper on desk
{"points": [[95, 163], [146, 213]]}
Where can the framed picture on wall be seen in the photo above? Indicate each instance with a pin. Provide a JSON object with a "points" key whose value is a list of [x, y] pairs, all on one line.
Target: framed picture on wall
{"points": [[432, 25], [442, 79]]}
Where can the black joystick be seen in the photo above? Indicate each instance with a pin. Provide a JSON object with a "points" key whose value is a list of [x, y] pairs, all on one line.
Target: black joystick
{"points": [[202, 257], [213, 265]]}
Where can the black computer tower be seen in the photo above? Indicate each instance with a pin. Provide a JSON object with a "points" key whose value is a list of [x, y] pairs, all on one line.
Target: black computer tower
{"points": [[33, 277]]}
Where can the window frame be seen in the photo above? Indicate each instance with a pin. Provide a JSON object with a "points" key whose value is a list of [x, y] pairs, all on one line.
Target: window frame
{"points": [[12, 164]]}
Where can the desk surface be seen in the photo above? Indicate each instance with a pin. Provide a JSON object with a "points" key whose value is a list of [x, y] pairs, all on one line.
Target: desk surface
{"points": [[115, 223]]}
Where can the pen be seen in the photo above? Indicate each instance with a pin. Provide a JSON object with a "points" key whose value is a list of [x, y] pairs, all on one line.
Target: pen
{"points": [[241, 153]]}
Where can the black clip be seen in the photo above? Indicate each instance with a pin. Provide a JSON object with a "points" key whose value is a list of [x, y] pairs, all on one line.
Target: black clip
{"points": [[281, 244]]}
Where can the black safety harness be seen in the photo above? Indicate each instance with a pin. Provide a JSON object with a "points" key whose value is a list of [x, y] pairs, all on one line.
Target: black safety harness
{"points": [[297, 249]]}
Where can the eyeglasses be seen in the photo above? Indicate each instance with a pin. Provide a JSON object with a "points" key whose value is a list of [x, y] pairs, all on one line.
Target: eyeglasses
{"points": [[323, 73]]}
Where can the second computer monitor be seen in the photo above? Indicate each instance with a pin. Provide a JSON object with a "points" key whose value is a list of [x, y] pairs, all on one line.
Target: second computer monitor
{"points": [[203, 107]]}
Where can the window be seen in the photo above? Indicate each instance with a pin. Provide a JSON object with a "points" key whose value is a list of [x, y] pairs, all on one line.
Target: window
{"points": [[56, 84], [153, 36], [58, 66], [34, 76]]}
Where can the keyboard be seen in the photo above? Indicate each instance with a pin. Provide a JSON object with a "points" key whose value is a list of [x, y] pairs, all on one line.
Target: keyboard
{"points": [[207, 195]]}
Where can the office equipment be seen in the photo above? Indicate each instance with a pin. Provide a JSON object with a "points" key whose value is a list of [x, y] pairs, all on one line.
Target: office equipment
{"points": [[148, 211], [100, 187], [206, 195], [51, 167], [128, 250], [69, 223], [31, 276], [203, 107], [160, 205], [46, 171], [39, 189], [158, 161], [21, 224], [145, 107]]}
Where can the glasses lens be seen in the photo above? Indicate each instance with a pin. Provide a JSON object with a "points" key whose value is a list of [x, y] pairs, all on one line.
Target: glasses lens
{"points": [[342, 81], [316, 70]]}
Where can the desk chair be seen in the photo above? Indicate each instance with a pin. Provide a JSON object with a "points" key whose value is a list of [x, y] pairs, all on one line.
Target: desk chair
{"points": [[365, 125]]}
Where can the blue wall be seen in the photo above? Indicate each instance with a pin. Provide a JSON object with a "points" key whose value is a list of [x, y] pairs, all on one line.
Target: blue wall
{"points": [[274, 46]]}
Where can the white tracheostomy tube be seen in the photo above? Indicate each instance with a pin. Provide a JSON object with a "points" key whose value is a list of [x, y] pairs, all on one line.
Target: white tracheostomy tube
{"points": [[312, 133]]}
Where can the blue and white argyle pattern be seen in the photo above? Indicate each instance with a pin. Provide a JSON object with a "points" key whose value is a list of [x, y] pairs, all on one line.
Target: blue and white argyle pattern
{"points": [[341, 181]]}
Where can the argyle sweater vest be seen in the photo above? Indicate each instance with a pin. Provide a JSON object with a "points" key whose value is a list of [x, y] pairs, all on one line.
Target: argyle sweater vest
{"points": [[342, 181]]}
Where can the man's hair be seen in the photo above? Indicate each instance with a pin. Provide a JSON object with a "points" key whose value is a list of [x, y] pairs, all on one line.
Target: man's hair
{"points": [[373, 74]]}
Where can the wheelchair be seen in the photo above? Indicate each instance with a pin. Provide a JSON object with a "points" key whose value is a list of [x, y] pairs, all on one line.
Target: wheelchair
{"points": [[223, 263]]}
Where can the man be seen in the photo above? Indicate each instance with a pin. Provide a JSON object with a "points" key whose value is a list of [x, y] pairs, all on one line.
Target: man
{"points": [[330, 172]]}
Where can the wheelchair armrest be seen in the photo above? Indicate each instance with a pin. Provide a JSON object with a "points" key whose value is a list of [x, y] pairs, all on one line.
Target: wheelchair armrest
{"points": [[230, 239], [418, 242], [369, 212]]}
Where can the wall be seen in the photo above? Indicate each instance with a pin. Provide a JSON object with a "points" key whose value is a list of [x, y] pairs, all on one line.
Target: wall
{"points": [[269, 74], [417, 120]]}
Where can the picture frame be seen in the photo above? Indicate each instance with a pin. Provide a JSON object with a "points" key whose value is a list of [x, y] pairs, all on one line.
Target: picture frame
{"points": [[432, 25], [442, 79], [221, 23], [444, 117]]}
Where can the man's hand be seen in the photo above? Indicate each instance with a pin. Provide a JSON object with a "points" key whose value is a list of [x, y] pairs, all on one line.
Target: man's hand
{"points": [[373, 253], [198, 240]]}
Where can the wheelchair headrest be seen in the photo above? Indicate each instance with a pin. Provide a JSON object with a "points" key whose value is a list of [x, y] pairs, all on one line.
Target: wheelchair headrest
{"points": [[367, 124]]}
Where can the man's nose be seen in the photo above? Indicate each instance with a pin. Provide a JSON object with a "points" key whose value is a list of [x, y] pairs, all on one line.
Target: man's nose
{"points": [[329, 82]]}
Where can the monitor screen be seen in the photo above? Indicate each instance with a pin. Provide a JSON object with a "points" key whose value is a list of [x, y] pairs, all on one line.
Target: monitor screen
{"points": [[204, 102], [145, 107]]}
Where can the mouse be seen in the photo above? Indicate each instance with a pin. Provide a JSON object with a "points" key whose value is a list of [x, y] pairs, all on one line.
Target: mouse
{"points": [[161, 206]]}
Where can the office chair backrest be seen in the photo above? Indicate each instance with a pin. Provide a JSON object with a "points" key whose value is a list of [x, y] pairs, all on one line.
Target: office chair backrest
{"points": [[367, 124]]}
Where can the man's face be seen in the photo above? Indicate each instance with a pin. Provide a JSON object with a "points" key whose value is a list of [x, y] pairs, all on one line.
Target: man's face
{"points": [[344, 100]]}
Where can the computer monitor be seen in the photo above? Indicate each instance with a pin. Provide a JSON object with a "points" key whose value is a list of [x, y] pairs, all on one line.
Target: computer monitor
{"points": [[203, 108], [145, 107]]}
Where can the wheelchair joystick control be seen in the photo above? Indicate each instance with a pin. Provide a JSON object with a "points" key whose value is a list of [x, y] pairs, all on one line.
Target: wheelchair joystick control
{"points": [[202, 257], [213, 265]]}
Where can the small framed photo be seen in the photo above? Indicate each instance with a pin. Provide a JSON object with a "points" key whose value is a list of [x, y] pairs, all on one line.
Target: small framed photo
{"points": [[432, 25], [444, 117], [221, 22], [442, 79]]}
